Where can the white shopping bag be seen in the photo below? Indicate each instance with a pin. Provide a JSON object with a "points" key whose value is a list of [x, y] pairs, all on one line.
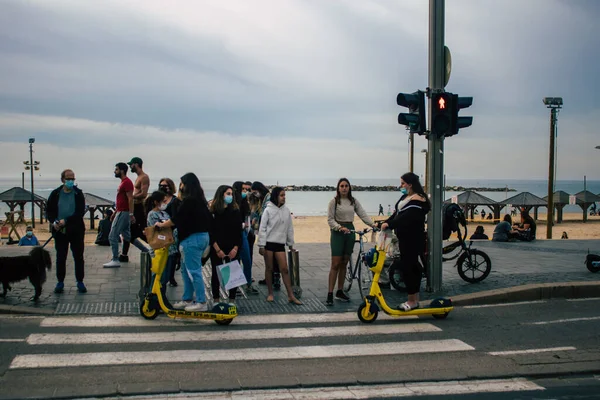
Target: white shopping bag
{"points": [[384, 241], [231, 275]]}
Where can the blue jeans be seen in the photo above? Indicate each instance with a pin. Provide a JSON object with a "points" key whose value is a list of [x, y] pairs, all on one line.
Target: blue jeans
{"points": [[166, 276], [120, 226], [191, 249], [246, 257]]}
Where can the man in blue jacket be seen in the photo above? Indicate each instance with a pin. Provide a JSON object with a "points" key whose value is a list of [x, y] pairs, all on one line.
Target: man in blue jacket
{"points": [[65, 211]]}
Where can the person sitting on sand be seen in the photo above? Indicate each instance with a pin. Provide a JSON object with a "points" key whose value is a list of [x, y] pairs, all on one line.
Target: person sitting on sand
{"points": [[502, 231], [479, 234], [527, 229]]}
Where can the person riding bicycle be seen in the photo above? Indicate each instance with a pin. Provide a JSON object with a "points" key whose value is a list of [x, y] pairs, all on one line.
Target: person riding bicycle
{"points": [[408, 223], [340, 217]]}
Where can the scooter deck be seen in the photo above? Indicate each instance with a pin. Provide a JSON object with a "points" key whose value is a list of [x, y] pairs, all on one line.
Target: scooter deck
{"points": [[227, 312], [419, 311]]}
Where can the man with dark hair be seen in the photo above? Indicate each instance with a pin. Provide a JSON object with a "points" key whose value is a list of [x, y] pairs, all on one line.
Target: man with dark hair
{"points": [[122, 218], [140, 192], [65, 211]]}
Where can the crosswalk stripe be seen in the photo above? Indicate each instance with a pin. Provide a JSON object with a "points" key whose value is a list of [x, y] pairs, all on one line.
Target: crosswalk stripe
{"points": [[246, 354], [203, 336], [92, 322], [530, 351]]}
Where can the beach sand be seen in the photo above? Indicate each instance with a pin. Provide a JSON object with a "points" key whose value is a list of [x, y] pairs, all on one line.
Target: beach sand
{"points": [[316, 230]]}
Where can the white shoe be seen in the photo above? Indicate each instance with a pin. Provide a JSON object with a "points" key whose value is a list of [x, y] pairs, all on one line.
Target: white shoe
{"points": [[112, 264], [197, 307], [181, 305]]}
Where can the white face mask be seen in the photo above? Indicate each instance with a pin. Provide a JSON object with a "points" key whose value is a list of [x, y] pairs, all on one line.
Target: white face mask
{"points": [[163, 207]]}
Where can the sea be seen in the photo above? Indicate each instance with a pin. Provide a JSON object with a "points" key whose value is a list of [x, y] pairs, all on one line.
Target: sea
{"points": [[315, 203]]}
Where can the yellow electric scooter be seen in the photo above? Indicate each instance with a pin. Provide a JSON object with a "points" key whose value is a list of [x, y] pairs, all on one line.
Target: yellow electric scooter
{"points": [[151, 295], [369, 309]]}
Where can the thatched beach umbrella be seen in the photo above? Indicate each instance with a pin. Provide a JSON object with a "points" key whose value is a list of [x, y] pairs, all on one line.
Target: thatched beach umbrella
{"points": [[525, 201], [561, 199], [93, 203], [585, 199], [470, 200]]}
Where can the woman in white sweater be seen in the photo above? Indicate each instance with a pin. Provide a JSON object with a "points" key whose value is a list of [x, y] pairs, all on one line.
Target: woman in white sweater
{"points": [[340, 217], [276, 231]]}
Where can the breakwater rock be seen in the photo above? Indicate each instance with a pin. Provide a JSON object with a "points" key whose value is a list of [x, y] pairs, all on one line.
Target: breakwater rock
{"points": [[357, 188]]}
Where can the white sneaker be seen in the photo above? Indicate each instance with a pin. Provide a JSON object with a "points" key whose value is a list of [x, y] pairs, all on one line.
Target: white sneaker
{"points": [[197, 307], [112, 264], [181, 305]]}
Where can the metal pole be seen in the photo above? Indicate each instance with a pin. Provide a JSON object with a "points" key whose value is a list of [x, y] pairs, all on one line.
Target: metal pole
{"points": [[426, 172], [32, 195], [23, 180], [435, 146], [411, 156], [550, 217]]}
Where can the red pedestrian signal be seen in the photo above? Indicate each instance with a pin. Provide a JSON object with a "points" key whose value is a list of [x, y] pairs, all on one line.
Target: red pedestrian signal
{"points": [[442, 103]]}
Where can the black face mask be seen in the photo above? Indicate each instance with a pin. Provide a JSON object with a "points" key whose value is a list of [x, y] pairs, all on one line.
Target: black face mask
{"points": [[164, 189]]}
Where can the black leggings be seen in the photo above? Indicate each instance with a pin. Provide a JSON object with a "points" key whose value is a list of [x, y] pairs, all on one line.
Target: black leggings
{"points": [[412, 272]]}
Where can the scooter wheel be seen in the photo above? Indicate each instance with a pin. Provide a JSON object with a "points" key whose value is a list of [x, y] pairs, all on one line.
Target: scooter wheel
{"points": [[365, 315], [223, 321], [440, 316], [147, 310]]}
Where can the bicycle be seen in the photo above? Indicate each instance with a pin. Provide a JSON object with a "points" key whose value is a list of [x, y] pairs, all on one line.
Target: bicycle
{"points": [[354, 273], [473, 265]]}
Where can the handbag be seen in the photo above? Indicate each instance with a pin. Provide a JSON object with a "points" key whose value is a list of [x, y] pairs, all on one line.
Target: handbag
{"points": [[159, 238], [231, 275]]}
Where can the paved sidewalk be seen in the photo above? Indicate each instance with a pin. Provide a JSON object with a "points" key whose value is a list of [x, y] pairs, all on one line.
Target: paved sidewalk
{"points": [[114, 291]]}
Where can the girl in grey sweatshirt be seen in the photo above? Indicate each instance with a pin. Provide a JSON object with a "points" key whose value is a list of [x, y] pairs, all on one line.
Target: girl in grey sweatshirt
{"points": [[276, 231]]}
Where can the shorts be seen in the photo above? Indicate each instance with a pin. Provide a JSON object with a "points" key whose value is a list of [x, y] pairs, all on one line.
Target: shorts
{"points": [[275, 247], [342, 244]]}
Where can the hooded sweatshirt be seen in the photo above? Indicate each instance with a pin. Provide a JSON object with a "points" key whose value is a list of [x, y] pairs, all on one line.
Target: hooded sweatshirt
{"points": [[276, 226], [408, 223]]}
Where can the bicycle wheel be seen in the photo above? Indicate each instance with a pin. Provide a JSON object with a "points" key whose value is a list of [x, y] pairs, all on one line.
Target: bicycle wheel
{"points": [[349, 276], [475, 268], [358, 272], [396, 277]]}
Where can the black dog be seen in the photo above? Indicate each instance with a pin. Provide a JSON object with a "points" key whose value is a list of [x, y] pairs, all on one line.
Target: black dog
{"points": [[15, 268]]}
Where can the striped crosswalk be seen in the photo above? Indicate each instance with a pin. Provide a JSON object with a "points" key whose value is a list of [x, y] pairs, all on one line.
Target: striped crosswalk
{"points": [[251, 346], [384, 338]]}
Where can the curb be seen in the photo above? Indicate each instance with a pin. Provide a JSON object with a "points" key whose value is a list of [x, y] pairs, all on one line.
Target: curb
{"points": [[531, 292], [6, 309]]}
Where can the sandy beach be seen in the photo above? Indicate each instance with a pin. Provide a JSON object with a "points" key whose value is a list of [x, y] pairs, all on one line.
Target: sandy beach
{"points": [[316, 230]]}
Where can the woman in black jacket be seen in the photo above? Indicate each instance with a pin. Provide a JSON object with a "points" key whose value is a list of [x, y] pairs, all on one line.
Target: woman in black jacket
{"points": [[408, 223], [225, 235]]}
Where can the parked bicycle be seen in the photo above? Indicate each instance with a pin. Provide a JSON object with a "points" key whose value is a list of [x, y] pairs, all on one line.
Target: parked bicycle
{"points": [[473, 265], [354, 272]]}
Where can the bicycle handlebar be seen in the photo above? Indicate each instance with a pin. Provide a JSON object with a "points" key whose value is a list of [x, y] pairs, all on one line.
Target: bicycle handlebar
{"points": [[364, 231]]}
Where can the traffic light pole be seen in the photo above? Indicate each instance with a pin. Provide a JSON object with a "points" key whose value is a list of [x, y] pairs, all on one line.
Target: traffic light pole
{"points": [[435, 146], [411, 157]]}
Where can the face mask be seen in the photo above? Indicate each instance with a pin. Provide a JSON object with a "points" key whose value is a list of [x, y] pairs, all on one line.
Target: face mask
{"points": [[244, 195], [163, 207], [228, 199], [403, 190], [69, 183], [164, 189], [29, 233]]}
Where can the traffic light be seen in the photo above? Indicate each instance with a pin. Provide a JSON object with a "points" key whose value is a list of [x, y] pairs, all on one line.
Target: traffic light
{"points": [[442, 106], [460, 122], [415, 118]]}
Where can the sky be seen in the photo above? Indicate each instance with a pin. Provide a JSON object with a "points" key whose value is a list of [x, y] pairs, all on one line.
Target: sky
{"points": [[291, 90]]}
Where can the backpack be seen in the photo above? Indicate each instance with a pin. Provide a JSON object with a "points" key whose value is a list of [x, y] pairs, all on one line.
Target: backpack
{"points": [[452, 216]]}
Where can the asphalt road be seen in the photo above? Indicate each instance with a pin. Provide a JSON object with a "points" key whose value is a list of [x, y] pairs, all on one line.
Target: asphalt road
{"points": [[539, 347]]}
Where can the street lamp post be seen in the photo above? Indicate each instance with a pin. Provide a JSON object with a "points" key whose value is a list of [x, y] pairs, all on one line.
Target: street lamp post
{"points": [[426, 165], [32, 166], [554, 104]]}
